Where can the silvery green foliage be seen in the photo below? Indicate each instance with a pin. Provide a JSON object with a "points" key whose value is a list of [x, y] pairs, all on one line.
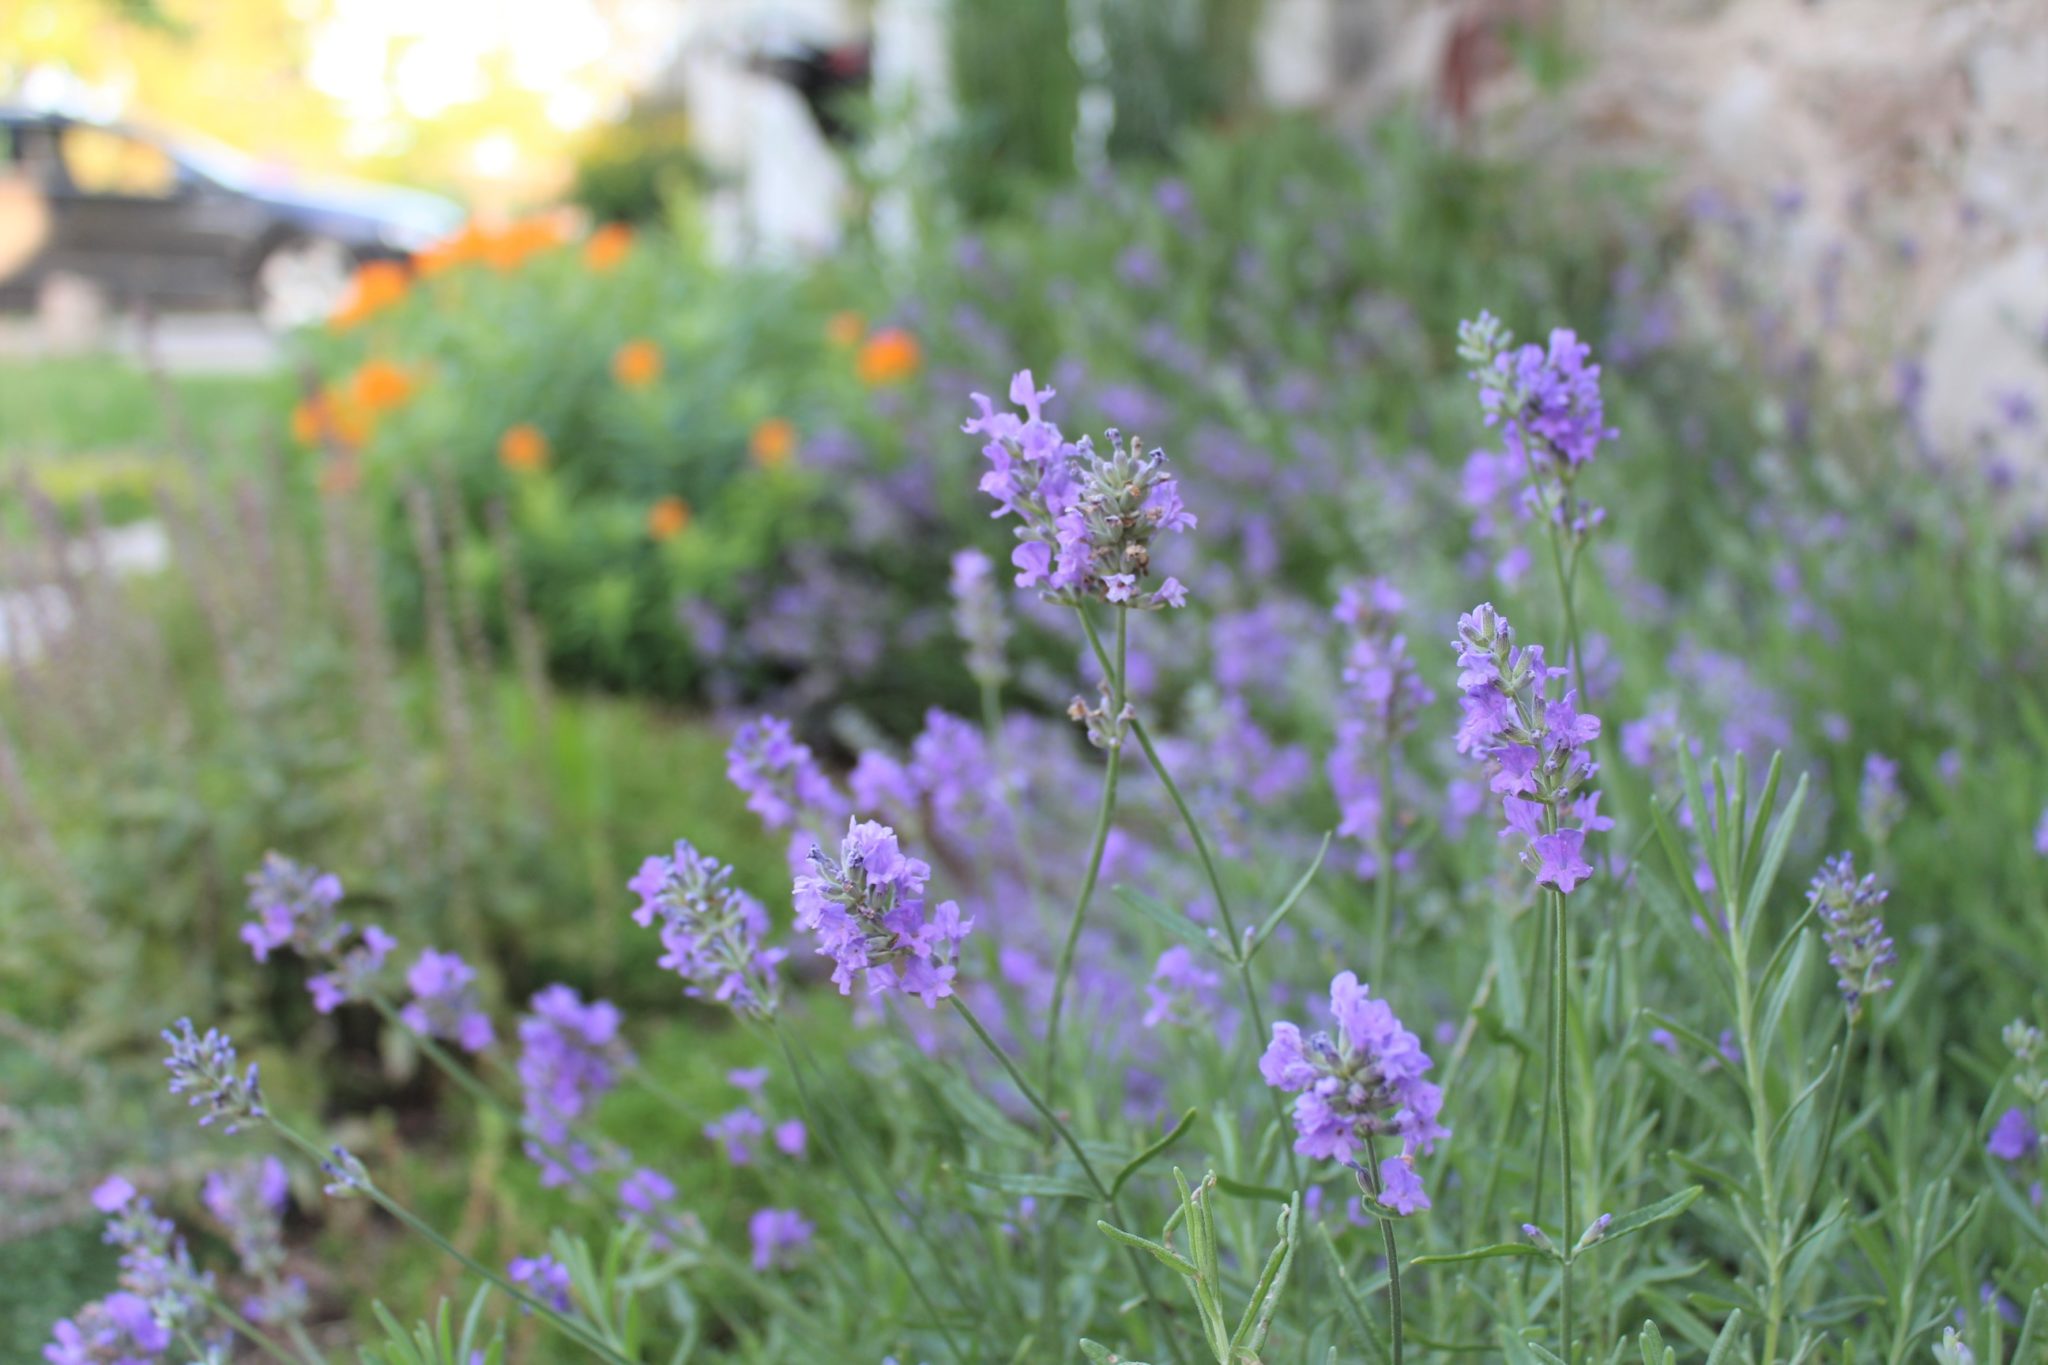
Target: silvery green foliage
{"points": [[439, 1343], [1203, 1270]]}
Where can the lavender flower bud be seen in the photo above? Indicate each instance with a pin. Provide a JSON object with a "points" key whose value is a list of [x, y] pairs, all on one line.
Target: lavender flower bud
{"points": [[1879, 803], [346, 1176], [205, 1067], [1858, 948], [1595, 1231], [712, 931]]}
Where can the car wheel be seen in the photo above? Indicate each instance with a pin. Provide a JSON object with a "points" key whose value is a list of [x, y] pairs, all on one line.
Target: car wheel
{"points": [[301, 280]]}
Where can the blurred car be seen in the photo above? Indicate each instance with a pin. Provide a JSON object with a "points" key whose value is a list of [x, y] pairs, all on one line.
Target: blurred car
{"points": [[180, 222]]}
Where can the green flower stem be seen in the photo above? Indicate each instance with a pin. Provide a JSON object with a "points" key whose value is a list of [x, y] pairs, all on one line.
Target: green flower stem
{"points": [[1255, 1011], [1073, 1145], [219, 1308], [1571, 615], [1383, 882], [440, 1057], [1827, 1135], [874, 1220], [1372, 1164], [1105, 816], [1559, 1000], [568, 1326]]}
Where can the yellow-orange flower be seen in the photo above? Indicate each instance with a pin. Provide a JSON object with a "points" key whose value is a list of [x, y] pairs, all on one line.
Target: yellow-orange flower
{"points": [[380, 385], [523, 448], [668, 518], [844, 329], [377, 285], [637, 363], [773, 442], [888, 357], [607, 247], [511, 246], [326, 417], [458, 248]]}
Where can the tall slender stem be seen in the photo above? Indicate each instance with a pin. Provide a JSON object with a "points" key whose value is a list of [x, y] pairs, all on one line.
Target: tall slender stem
{"points": [[1571, 614], [819, 1127], [1105, 816], [220, 1309], [1080, 1154], [568, 1326], [1827, 1134], [1558, 1005], [1393, 1251], [1383, 851]]}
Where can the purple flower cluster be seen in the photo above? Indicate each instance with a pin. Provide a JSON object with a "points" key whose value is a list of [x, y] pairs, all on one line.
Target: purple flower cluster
{"points": [[647, 1199], [949, 781], [543, 1277], [1364, 1081], [1182, 991], [570, 1056], [778, 1235], [1547, 403], [978, 617], [1383, 693], [204, 1066], [867, 909], [248, 1201], [711, 931], [1858, 948], [294, 907], [779, 774], [1087, 520], [120, 1329], [1880, 805], [1536, 746], [444, 1001], [155, 1263]]}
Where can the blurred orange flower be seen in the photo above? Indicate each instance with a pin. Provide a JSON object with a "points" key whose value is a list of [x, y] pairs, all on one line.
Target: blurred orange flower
{"points": [[608, 246], [329, 417], [667, 518], [637, 363], [888, 357], [377, 286], [773, 442], [523, 448], [381, 385], [844, 329], [459, 248], [513, 245]]}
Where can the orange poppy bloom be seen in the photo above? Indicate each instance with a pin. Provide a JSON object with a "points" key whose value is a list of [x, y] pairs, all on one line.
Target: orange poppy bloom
{"points": [[888, 357], [377, 285], [773, 442], [637, 363], [381, 385], [607, 247], [523, 448], [844, 329], [668, 518]]}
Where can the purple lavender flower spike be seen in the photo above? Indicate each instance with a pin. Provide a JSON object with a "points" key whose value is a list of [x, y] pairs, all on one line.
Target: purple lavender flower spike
{"points": [[121, 1329], [778, 1235], [780, 776], [353, 973], [204, 1066], [1364, 1081], [1181, 990], [736, 1133], [978, 617], [1552, 418], [248, 1201], [711, 931], [444, 1001], [866, 908], [293, 906], [1536, 746], [1879, 803], [1087, 520], [543, 1277], [2014, 1137], [1858, 948], [570, 1057]]}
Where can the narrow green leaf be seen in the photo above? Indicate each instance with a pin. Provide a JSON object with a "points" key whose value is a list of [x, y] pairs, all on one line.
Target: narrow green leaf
{"points": [[1173, 921], [1487, 1253], [1239, 1189], [1137, 1163], [1652, 1343], [1775, 844], [1728, 1345], [1166, 1255], [1663, 1211], [1272, 921]]}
